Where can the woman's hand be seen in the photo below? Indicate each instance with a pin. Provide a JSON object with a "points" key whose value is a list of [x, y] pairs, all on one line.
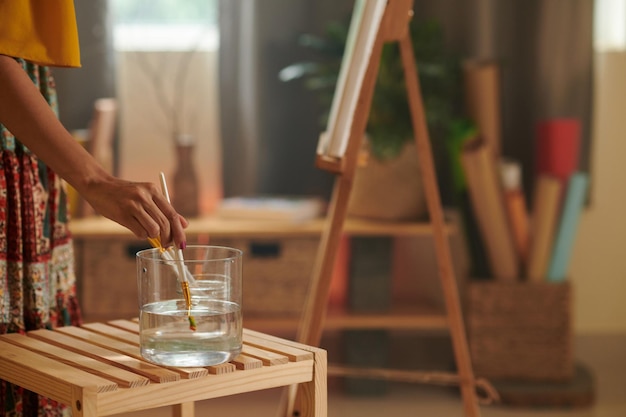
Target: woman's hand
{"points": [[139, 206]]}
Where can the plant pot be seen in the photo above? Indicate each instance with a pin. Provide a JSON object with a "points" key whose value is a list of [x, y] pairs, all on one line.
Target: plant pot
{"points": [[388, 190]]}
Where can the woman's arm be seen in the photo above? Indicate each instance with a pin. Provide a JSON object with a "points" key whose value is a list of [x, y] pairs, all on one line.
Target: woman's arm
{"points": [[141, 207]]}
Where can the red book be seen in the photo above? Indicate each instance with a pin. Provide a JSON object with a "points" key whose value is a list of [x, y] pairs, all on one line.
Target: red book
{"points": [[338, 293], [557, 147]]}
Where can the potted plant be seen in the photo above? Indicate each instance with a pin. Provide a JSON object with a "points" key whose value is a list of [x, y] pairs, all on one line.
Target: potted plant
{"points": [[390, 141]]}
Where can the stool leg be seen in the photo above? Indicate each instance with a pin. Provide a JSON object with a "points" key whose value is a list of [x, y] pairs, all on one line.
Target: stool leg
{"points": [[84, 402], [309, 399], [183, 410]]}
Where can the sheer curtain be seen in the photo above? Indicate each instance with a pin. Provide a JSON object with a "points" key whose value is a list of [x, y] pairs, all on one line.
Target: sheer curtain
{"points": [[610, 25]]}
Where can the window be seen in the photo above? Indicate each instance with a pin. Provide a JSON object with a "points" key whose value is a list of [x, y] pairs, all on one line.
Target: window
{"points": [[165, 24], [610, 25]]}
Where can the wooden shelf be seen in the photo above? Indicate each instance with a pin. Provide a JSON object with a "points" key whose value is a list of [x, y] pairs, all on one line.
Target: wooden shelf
{"points": [[103, 228], [396, 319], [399, 318], [411, 315]]}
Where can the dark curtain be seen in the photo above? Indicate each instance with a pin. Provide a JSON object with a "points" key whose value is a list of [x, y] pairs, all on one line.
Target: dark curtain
{"points": [[544, 48], [239, 90], [269, 129], [79, 88]]}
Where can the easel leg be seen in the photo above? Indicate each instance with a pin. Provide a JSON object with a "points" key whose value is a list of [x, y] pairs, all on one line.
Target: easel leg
{"points": [[312, 321], [444, 258], [314, 314]]}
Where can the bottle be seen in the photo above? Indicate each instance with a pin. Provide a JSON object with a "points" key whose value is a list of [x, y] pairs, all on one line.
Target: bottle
{"points": [[185, 191]]}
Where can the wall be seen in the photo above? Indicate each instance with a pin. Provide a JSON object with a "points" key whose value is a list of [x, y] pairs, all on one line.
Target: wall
{"points": [[598, 269]]}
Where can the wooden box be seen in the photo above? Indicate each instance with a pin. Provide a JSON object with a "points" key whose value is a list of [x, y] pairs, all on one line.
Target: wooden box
{"points": [[520, 331]]}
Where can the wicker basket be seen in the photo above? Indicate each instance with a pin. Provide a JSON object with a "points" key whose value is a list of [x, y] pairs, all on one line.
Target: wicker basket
{"points": [[276, 274], [520, 331]]}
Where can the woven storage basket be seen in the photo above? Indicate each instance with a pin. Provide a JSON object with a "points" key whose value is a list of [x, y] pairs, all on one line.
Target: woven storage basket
{"points": [[107, 278], [276, 274], [520, 331]]}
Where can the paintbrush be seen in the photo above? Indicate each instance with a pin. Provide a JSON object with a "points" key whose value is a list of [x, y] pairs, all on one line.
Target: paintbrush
{"points": [[178, 260]]}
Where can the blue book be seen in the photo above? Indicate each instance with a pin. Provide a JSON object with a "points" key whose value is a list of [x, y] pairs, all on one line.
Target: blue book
{"points": [[572, 208]]}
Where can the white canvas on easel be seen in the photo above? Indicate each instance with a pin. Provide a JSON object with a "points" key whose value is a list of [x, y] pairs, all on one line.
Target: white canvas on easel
{"points": [[364, 25]]}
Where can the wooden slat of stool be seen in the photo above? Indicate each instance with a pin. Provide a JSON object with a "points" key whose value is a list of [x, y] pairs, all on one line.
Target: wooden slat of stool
{"points": [[292, 353], [114, 332], [222, 368], [122, 377], [128, 349], [268, 358], [46, 376], [244, 362], [130, 325], [155, 373], [211, 386]]}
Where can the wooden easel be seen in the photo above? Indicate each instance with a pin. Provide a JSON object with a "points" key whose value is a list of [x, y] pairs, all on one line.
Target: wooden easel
{"points": [[394, 27]]}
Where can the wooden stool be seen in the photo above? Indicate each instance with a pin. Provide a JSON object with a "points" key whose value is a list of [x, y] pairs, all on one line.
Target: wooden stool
{"points": [[98, 371]]}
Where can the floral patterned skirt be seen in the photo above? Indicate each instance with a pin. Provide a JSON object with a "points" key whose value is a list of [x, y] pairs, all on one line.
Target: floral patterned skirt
{"points": [[37, 280]]}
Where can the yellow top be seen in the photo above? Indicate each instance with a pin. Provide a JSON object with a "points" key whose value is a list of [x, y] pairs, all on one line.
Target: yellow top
{"points": [[41, 31]]}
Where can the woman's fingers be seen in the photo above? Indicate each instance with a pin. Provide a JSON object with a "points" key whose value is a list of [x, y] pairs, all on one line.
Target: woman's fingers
{"points": [[160, 219], [173, 230], [178, 232], [141, 208]]}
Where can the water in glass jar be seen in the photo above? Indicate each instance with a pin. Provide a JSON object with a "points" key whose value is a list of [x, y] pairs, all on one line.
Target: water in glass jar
{"points": [[166, 338]]}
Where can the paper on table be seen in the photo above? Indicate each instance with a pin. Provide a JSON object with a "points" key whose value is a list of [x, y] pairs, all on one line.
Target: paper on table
{"points": [[544, 219], [482, 93], [572, 208], [486, 195]]}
